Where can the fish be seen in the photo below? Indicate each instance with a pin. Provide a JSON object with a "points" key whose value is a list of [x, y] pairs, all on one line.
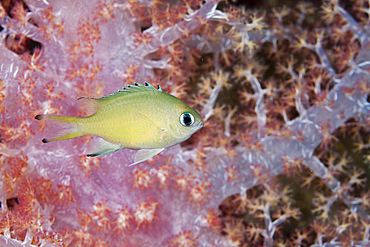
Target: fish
{"points": [[139, 117]]}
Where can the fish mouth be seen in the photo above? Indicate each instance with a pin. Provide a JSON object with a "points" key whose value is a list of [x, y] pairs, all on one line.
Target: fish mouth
{"points": [[199, 126]]}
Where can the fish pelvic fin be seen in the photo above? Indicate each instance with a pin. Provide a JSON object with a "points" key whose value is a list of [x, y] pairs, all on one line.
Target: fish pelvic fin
{"points": [[62, 127], [145, 154]]}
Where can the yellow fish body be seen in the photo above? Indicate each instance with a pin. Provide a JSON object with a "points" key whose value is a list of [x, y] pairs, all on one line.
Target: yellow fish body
{"points": [[136, 117]]}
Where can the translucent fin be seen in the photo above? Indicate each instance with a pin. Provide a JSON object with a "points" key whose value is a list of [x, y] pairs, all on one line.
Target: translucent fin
{"points": [[145, 154], [88, 105], [61, 128], [148, 127], [99, 147]]}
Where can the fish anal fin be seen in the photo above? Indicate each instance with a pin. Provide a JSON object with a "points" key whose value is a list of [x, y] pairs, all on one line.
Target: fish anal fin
{"points": [[145, 154], [99, 147]]}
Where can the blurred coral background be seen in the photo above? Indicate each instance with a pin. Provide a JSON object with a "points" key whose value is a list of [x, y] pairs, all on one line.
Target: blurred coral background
{"points": [[283, 159]]}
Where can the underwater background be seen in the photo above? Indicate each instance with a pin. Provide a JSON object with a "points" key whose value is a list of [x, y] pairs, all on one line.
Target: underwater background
{"points": [[283, 158]]}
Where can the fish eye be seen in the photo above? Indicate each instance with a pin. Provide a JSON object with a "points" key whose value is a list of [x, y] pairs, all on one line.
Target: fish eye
{"points": [[187, 119]]}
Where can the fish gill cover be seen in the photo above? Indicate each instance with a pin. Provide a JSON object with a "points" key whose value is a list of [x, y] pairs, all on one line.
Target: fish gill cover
{"points": [[283, 158]]}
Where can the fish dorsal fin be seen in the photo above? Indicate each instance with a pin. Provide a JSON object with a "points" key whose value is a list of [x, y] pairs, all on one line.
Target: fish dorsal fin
{"points": [[138, 87], [88, 105], [92, 105]]}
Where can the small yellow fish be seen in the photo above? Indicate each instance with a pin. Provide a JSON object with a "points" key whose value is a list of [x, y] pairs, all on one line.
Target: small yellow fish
{"points": [[136, 117]]}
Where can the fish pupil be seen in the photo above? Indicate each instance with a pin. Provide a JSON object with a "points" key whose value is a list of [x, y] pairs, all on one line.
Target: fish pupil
{"points": [[187, 120]]}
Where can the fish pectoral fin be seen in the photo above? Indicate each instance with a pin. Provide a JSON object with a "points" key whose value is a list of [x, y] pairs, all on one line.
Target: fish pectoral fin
{"points": [[146, 126], [145, 154], [99, 147]]}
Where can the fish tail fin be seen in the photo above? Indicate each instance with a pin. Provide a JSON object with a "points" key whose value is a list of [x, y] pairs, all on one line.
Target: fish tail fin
{"points": [[62, 128]]}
